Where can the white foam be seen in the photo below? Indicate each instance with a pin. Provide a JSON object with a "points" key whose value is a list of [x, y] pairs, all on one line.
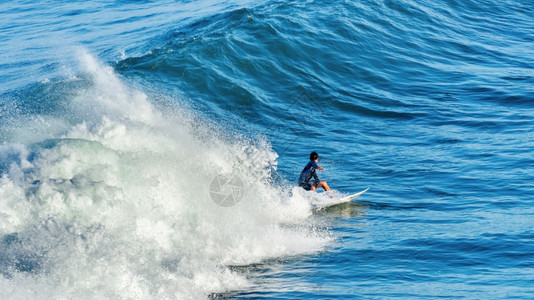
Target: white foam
{"points": [[118, 205]]}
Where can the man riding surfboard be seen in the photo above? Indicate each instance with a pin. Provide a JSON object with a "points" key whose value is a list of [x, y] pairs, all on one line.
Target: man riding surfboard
{"points": [[308, 178]]}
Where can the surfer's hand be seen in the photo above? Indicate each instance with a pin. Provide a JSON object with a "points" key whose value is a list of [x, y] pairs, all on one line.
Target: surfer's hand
{"points": [[320, 168]]}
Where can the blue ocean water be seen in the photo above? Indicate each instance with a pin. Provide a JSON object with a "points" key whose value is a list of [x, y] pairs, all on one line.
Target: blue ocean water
{"points": [[117, 117]]}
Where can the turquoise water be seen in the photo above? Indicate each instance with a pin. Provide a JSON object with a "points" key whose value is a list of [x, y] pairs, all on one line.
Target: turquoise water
{"points": [[115, 118]]}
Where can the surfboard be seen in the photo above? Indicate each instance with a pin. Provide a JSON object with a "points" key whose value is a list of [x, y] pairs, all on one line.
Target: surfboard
{"points": [[341, 200]]}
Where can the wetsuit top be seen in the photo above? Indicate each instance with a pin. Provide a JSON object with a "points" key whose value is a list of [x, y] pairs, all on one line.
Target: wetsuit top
{"points": [[308, 172]]}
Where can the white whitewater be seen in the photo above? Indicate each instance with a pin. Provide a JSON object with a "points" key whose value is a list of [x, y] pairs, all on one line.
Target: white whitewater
{"points": [[112, 201]]}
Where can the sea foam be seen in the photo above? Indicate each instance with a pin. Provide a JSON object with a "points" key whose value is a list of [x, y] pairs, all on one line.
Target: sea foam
{"points": [[112, 200]]}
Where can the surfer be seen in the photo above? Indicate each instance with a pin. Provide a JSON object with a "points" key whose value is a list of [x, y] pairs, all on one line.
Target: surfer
{"points": [[309, 180]]}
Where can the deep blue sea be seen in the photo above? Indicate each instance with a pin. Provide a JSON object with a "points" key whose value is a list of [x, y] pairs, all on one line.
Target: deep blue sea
{"points": [[151, 149]]}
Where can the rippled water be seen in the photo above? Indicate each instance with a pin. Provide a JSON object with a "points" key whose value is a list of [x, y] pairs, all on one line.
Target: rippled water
{"points": [[116, 117]]}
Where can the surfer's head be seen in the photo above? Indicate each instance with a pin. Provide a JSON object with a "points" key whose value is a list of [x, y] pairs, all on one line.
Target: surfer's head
{"points": [[314, 156]]}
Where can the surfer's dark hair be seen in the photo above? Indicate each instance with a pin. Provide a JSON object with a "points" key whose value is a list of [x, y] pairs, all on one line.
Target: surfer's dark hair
{"points": [[314, 156]]}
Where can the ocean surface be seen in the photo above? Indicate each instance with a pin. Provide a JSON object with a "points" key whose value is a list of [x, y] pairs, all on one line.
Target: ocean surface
{"points": [[151, 149]]}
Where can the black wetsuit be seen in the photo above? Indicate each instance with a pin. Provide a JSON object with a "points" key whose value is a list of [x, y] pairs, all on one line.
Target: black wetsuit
{"points": [[308, 176]]}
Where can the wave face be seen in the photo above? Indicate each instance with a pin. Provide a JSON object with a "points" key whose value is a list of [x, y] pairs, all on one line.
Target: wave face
{"points": [[149, 149]]}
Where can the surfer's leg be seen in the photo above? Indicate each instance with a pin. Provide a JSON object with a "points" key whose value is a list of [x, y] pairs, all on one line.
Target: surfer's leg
{"points": [[325, 186], [314, 184]]}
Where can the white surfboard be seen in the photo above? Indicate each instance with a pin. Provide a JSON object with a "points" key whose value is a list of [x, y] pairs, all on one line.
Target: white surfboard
{"points": [[341, 200]]}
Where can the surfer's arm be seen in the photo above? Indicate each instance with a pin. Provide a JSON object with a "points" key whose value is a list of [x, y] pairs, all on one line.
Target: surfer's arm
{"points": [[314, 164]]}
